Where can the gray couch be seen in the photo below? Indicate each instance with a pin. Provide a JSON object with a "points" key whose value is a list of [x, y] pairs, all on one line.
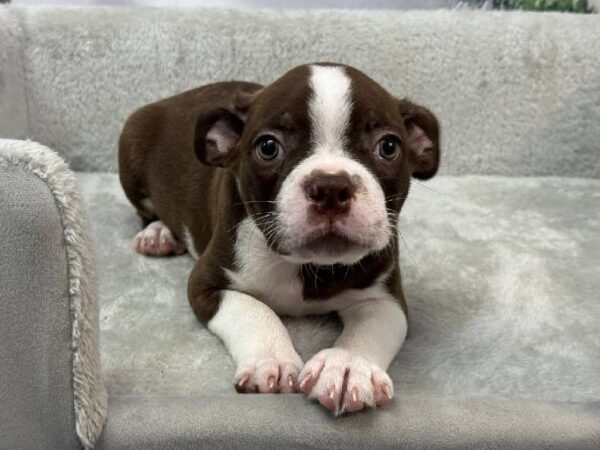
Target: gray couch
{"points": [[500, 255]]}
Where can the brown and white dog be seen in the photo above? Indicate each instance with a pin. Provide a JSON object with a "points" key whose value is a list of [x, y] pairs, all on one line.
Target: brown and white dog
{"points": [[288, 195]]}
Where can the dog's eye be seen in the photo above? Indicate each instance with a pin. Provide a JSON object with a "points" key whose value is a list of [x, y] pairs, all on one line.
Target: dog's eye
{"points": [[388, 148], [268, 148]]}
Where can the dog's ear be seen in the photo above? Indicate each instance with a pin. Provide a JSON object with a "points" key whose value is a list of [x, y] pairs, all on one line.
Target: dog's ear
{"points": [[217, 133], [220, 126], [423, 139]]}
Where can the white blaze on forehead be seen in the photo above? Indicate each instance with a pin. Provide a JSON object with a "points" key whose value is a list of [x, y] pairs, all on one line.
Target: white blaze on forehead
{"points": [[329, 107]]}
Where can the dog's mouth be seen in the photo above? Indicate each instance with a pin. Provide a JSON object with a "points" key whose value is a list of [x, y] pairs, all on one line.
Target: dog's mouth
{"points": [[330, 247], [329, 243]]}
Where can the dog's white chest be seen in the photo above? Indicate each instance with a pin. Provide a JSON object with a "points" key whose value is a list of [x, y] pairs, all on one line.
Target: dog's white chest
{"points": [[269, 277]]}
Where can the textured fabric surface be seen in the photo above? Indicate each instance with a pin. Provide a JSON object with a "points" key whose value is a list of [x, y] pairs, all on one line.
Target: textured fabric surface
{"points": [[501, 284], [288, 421], [36, 379], [516, 93], [13, 100], [87, 392]]}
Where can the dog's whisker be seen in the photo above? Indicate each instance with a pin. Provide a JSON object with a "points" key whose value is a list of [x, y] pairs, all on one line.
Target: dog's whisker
{"points": [[254, 201], [273, 233], [412, 256], [262, 217], [314, 271], [395, 197], [270, 225], [429, 188], [361, 266], [263, 214]]}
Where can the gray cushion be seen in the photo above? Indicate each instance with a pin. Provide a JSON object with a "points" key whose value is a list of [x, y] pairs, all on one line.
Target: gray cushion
{"points": [[501, 284], [504, 318], [50, 371], [517, 93], [36, 375], [288, 421]]}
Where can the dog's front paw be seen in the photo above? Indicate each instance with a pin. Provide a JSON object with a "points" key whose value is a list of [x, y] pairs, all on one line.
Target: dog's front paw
{"points": [[268, 375], [344, 382]]}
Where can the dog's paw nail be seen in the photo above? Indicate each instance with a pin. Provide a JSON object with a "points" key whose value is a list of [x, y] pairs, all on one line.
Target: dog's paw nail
{"points": [[305, 380], [243, 381], [268, 376], [386, 391], [354, 394]]}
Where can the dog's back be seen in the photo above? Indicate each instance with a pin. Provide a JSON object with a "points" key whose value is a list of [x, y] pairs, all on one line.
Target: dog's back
{"points": [[158, 168]]}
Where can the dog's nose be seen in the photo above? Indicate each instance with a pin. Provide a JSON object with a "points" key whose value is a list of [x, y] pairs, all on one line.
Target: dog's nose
{"points": [[330, 193]]}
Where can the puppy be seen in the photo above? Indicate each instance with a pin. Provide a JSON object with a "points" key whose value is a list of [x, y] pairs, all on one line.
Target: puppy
{"points": [[288, 196]]}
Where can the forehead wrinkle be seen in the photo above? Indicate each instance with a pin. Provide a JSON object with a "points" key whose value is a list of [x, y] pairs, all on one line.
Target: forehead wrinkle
{"points": [[330, 106]]}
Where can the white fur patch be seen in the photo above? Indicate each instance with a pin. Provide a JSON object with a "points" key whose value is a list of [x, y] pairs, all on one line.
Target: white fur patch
{"points": [[366, 223], [269, 276], [189, 242], [265, 274], [329, 108], [274, 280], [375, 326], [252, 332]]}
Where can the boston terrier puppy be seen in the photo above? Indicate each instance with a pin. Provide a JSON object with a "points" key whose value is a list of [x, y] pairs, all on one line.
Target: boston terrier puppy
{"points": [[288, 196]]}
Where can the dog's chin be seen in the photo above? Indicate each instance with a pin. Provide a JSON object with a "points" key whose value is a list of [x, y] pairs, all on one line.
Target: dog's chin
{"points": [[327, 249]]}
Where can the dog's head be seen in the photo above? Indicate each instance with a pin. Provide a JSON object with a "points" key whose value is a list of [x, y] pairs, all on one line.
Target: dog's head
{"points": [[323, 159]]}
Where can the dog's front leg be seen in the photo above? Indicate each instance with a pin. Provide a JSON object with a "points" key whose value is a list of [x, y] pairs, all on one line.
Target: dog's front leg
{"points": [[258, 342], [351, 375]]}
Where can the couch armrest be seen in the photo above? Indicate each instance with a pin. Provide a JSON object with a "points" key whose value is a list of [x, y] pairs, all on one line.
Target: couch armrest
{"points": [[51, 390]]}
